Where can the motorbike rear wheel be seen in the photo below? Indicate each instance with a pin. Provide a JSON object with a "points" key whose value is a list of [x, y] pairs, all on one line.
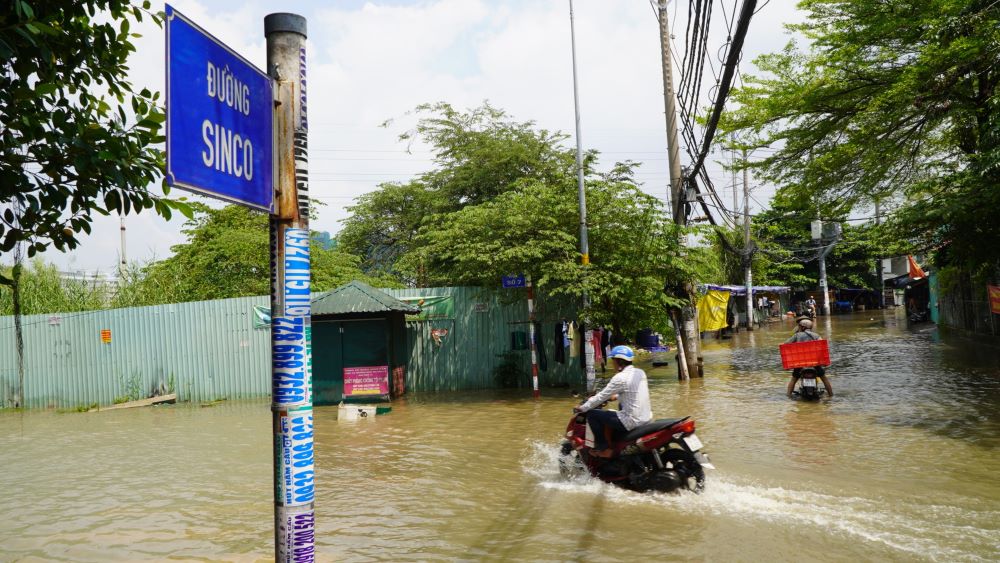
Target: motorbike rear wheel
{"points": [[691, 472]]}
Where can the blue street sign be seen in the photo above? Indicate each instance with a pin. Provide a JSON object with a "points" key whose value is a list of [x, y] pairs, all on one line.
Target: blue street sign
{"points": [[220, 120], [513, 281]]}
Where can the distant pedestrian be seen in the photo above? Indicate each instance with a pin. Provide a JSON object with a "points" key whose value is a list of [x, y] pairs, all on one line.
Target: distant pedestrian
{"points": [[811, 306]]}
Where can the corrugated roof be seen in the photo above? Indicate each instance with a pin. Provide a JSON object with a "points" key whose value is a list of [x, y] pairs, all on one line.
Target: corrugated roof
{"points": [[358, 297]]}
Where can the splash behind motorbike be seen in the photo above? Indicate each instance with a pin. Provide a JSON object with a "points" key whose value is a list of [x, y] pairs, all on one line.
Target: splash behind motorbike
{"points": [[663, 456]]}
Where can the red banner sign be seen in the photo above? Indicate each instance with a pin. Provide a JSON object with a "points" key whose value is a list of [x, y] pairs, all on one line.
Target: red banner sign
{"points": [[106, 335], [366, 380], [994, 298]]}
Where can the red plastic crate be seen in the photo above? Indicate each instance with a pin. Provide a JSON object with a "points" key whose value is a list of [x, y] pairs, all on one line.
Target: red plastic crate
{"points": [[805, 354]]}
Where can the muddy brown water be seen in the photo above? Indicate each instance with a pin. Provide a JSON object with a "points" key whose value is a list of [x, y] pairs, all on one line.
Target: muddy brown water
{"points": [[902, 464]]}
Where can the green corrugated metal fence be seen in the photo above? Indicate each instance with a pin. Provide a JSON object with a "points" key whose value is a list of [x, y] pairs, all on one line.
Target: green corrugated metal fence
{"points": [[207, 349], [478, 336], [210, 349]]}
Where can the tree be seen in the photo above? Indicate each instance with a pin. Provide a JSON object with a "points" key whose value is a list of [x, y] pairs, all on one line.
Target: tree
{"points": [[479, 154], [787, 255], [65, 151], [44, 290], [227, 256], [533, 230], [894, 101], [75, 139]]}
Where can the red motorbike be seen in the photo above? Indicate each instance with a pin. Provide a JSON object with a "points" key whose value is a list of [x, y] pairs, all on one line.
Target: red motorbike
{"points": [[663, 456]]}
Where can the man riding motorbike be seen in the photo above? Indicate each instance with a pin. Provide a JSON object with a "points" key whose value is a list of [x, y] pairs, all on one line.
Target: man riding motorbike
{"points": [[632, 391], [804, 333]]}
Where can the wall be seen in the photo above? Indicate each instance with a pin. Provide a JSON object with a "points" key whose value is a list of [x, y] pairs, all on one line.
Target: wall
{"points": [[476, 341], [965, 305], [211, 350], [208, 349]]}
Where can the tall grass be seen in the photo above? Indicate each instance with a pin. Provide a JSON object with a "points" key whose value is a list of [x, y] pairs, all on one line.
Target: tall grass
{"points": [[44, 290]]}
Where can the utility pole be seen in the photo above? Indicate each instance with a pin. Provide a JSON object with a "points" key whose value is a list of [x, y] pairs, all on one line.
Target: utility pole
{"points": [[822, 279], [878, 263], [825, 247], [291, 338], [736, 205], [588, 342], [748, 275], [531, 336], [670, 107], [686, 327]]}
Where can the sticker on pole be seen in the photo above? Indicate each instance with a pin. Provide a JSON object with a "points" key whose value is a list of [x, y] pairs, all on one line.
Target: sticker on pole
{"points": [[296, 532], [291, 375], [220, 118], [294, 446]]}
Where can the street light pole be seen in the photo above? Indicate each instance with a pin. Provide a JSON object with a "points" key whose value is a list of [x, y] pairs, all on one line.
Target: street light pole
{"points": [[584, 244]]}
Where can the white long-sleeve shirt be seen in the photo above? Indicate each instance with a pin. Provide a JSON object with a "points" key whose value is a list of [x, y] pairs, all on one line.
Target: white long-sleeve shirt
{"points": [[633, 397]]}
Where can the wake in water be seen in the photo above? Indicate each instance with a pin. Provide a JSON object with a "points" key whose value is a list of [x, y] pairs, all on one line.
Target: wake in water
{"points": [[938, 532]]}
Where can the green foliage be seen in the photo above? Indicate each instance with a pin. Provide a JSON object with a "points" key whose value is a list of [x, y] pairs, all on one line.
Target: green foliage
{"points": [[44, 291], [483, 152], [503, 200], [227, 255], [480, 154], [894, 101], [704, 261], [74, 138], [533, 230], [131, 386], [384, 222], [787, 255]]}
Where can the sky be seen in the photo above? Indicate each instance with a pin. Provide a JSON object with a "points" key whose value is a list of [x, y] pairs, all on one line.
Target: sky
{"points": [[372, 62]]}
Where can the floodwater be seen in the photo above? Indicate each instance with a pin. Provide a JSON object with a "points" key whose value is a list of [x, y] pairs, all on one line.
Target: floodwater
{"points": [[902, 464]]}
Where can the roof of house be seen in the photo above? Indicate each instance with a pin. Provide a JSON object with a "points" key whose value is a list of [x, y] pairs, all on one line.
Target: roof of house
{"points": [[358, 297]]}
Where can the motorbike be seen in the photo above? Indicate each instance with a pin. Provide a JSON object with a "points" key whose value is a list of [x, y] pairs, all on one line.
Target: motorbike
{"points": [[809, 388], [664, 456]]}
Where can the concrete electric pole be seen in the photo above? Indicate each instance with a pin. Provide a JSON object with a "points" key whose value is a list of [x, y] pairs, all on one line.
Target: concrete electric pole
{"points": [[688, 339], [825, 241], [748, 275]]}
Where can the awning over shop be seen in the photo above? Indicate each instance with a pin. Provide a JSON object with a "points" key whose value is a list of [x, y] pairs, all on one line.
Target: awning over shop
{"points": [[900, 282], [359, 297], [742, 290]]}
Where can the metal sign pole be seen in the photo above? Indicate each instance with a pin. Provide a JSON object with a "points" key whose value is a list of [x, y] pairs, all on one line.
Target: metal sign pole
{"points": [[531, 336], [291, 342]]}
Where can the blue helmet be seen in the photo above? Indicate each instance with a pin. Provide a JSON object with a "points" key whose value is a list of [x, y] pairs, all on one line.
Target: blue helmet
{"points": [[623, 353]]}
